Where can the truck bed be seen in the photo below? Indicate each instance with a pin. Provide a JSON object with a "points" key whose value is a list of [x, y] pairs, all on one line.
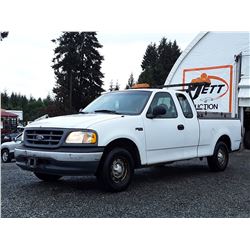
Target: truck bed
{"points": [[213, 128]]}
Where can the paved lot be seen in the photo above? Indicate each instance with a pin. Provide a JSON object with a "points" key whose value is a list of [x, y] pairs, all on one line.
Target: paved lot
{"points": [[183, 189]]}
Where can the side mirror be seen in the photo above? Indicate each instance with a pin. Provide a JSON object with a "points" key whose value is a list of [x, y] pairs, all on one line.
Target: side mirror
{"points": [[157, 111]]}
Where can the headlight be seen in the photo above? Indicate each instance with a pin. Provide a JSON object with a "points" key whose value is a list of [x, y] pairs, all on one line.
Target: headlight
{"points": [[82, 137]]}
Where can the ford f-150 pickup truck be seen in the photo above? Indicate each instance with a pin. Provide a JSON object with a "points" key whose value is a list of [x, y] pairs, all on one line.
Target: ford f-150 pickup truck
{"points": [[124, 130]]}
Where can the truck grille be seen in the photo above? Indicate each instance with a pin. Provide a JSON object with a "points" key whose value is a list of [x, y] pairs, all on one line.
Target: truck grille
{"points": [[43, 138]]}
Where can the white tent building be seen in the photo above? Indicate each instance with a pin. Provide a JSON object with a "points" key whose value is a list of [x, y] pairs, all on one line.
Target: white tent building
{"points": [[222, 60]]}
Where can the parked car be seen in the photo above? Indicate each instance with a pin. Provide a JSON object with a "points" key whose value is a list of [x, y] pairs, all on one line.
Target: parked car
{"points": [[124, 130], [8, 148], [9, 137]]}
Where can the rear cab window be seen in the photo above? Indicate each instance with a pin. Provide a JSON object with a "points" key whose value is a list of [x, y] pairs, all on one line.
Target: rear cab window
{"points": [[185, 105]]}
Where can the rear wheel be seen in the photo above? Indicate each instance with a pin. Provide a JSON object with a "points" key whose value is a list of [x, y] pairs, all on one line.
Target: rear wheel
{"points": [[117, 170], [219, 160], [47, 177], [5, 156]]}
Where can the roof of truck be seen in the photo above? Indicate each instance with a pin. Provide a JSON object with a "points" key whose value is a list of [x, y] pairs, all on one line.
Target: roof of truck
{"points": [[156, 90]]}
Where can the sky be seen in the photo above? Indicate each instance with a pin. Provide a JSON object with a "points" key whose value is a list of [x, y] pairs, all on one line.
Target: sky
{"points": [[26, 58]]}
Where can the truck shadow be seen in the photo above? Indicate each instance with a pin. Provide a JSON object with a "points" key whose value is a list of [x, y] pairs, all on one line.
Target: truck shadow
{"points": [[171, 173], [68, 184]]}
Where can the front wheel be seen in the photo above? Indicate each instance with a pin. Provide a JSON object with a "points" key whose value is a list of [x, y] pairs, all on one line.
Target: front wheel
{"points": [[47, 177], [219, 160], [5, 156], [117, 170]]}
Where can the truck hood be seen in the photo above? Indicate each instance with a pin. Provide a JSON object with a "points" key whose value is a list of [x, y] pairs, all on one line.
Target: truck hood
{"points": [[73, 121]]}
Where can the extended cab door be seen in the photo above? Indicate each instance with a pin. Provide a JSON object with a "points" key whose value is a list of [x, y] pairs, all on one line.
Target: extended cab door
{"points": [[167, 135], [191, 125]]}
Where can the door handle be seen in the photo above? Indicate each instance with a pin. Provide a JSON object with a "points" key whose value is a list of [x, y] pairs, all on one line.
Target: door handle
{"points": [[180, 127]]}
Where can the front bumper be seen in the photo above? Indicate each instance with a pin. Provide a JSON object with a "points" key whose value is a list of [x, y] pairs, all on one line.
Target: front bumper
{"points": [[67, 161]]}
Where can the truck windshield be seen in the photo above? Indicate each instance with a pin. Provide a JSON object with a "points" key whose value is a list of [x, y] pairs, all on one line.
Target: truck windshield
{"points": [[122, 102]]}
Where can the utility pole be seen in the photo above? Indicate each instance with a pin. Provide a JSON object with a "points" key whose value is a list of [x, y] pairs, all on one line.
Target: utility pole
{"points": [[70, 91]]}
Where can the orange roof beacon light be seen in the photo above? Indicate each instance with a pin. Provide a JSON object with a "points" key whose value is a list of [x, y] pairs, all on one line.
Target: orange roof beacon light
{"points": [[140, 86], [203, 78]]}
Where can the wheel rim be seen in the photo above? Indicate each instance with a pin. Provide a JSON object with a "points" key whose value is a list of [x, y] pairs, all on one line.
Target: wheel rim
{"points": [[222, 158], [5, 156], [119, 169]]}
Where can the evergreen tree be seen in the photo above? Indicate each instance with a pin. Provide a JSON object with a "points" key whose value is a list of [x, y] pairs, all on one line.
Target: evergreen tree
{"points": [[48, 100], [168, 53], [13, 100], [158, 62], [131, 81], [4, 99], [77, 67], [149, 65], [111, 86], [117, 86]]}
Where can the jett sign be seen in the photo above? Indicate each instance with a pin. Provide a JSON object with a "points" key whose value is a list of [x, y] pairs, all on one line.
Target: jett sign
{"points": [[211, 87]]}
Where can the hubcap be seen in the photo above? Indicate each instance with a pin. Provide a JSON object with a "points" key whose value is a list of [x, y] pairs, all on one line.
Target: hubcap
{"points": [[221, 157], [5, 156], [119, 169]]}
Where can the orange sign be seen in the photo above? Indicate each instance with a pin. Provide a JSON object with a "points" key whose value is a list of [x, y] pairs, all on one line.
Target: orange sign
{"points": [[214, 91]]}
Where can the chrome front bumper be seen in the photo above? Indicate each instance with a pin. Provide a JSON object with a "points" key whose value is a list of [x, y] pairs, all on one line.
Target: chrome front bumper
{"points": [[54, 162]]}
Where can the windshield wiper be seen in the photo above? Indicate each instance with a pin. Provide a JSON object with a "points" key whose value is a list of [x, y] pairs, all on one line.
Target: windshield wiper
{"points": [[107, 111]]}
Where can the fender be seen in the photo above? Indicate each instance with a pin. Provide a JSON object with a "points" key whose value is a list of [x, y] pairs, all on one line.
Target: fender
{"points": [[123, 129]]}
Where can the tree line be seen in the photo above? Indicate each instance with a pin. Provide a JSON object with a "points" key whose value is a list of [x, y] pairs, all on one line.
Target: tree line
{"points": [[32, 108], [79, 80]]}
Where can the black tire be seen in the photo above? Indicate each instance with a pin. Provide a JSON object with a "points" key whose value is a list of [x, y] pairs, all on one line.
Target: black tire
{"points": [[219, 160], [247, 140], [5, 155], [47, 177], [117, 170]]}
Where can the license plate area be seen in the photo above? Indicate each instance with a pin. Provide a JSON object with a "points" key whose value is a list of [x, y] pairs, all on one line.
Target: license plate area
{"points": [[32, 162]]}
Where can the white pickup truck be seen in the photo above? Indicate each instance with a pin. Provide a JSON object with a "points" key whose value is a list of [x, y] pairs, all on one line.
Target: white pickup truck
{"points": [[124, 130]]}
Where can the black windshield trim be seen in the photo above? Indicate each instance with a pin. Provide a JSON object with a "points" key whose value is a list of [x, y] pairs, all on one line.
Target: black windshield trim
{"points": [[108, 111]]}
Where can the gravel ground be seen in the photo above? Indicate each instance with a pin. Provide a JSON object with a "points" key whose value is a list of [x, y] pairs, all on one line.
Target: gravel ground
{"points": [[183, 189]]}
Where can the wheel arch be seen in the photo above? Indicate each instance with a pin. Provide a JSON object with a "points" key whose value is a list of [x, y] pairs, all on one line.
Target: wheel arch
{"points": [[5, 148], [123, 143], [226, 139]]}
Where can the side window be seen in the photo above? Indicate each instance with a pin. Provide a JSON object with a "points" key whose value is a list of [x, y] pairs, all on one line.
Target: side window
{"points": [[163, 99], [185, 106]]}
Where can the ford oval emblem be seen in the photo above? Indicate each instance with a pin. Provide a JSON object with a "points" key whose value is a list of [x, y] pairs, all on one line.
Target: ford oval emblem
{"points": [[40, 137]]}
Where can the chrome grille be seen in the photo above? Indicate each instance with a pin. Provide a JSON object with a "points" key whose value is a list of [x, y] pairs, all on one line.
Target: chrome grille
{"points": [[42, 137]]}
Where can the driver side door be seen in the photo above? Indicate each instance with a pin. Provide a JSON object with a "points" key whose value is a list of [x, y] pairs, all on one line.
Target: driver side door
{"points": [[164, 133]]}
